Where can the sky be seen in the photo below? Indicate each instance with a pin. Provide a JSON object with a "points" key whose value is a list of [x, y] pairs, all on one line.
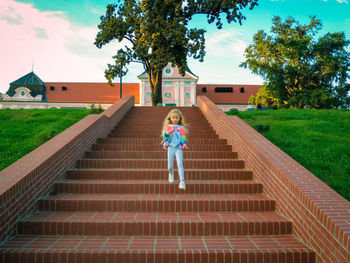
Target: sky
{"points": [[55, 39]]}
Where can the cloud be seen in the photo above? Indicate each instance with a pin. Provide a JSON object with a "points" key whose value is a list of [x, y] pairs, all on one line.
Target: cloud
{"points": [[61, 50], [226, 43], [64, 51], [343, 1]]}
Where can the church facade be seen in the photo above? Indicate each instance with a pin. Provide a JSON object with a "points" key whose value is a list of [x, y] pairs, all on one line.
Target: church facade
{"points": [[30, 91], [177, 89]]}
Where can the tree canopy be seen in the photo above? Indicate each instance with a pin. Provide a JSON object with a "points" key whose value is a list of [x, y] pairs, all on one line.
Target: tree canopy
{"points": [[263, 97], [300, 70], [157, 32]]}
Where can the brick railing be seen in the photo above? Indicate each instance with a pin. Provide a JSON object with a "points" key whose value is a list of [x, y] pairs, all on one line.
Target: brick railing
{"points": [[321, 217], [32, 177]]}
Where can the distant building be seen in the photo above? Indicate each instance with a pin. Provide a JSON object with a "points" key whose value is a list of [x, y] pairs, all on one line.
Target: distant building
{"points": [[30, 91]]}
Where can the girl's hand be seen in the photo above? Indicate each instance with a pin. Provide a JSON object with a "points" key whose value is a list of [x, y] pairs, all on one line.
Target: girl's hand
{"points": [[183, 147]]}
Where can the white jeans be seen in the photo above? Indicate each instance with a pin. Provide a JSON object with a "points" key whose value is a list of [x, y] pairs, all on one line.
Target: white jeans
{"points": [[175, 151]]}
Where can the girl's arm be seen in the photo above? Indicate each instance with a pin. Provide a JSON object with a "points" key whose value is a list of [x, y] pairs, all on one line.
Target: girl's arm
{"points": [[182, 138], [168, 130]]}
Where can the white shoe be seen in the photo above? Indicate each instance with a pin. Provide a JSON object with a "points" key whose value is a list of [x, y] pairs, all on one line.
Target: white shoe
{"points": [[182, 185], [171, 177]]}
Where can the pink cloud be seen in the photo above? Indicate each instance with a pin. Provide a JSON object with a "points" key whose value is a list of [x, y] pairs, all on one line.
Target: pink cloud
{"points": [[61, 51]]}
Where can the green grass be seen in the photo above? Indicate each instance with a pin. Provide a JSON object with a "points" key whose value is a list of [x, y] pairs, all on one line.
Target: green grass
{"points": [[317, 139], [23, 130]]}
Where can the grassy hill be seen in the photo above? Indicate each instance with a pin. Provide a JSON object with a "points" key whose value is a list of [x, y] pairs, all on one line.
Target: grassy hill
{"points": [[23, 130], [317, 139]]}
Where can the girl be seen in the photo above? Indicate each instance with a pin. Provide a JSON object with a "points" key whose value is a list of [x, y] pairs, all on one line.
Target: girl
{"points": [[174, 140]]}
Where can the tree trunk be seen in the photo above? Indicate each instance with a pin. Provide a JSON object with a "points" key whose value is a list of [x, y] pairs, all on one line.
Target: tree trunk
{"points": [[155, 82]]}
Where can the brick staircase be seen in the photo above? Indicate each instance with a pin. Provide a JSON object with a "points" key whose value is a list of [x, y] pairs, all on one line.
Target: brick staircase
{"points": [[117, 205]]}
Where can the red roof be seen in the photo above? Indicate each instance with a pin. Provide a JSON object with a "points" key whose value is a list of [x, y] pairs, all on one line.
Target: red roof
{"points": [[235, 97], [103, 93], [89, 92]]}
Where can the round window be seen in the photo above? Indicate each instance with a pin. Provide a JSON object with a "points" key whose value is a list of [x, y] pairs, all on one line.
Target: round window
{"points": [[187, 95], [148, 94], [168, 94], [168, 71]]}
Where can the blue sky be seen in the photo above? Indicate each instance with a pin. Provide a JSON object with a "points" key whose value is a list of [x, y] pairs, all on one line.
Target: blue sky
{"points": [[57, 37]]}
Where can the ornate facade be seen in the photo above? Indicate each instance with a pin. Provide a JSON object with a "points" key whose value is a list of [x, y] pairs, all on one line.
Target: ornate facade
{"points": [[30, 91], [177, 90]]}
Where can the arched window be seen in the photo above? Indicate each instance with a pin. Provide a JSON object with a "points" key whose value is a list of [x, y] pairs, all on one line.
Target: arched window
{"points": [[242, 89], [64, 88], [22, 93], [52, 88], [204, 90]]}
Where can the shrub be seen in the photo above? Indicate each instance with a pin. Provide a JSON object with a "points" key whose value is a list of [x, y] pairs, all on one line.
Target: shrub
{"points": [[44, 136], [233, 111], [262, 128], [95, 110]]}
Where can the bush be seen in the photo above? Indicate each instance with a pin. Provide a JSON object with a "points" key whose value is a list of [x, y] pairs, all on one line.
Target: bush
{"points": [[44, 136], [262, 128], [94, 110], [233, 111]]}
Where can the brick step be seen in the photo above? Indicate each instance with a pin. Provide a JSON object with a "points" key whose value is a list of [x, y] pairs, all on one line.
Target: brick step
{"points": [[139, 112], [154, 224], [157, 187], [145, 132], [140, 249], [159, 174], [156, 120], [165, 110], [156, 126], [158, 155], [159, 147], [155, 134], [158, 203], [163, 113], [160, 163], [157, 140]]}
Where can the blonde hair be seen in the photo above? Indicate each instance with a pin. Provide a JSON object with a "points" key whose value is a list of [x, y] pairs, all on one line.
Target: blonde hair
{"points": [[167, 121]]}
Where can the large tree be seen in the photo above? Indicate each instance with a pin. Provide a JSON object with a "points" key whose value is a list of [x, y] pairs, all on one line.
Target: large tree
{"points": [[300, 70], [157, 32]]}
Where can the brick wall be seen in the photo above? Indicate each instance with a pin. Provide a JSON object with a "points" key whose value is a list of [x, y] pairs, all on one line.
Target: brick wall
{"points": [[321, 217], [32, 177]]}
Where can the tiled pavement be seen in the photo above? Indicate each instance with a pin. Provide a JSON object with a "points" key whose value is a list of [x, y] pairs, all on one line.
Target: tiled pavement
{"points": [[117, 205]]}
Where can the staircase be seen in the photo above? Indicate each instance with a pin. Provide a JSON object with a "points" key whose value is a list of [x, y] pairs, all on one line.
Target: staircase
{"points": [[117, 205]]}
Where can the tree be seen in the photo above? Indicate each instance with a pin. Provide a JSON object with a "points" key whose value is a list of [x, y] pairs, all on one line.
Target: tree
{"points": [[299, 70], [264, 97], [157, 33]]}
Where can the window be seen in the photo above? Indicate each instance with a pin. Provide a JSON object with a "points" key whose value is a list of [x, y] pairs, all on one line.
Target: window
{"points": [[187, 82], [168, 71], [242, 89], [168, 82], [64, 88], [168, 94], [224, 89], [22, 93], [187, 95], [148, 94], [52, 88], [204, 90]]}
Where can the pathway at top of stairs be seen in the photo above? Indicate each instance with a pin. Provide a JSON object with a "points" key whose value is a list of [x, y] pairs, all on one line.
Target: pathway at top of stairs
{"points": [[117, 204]]}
